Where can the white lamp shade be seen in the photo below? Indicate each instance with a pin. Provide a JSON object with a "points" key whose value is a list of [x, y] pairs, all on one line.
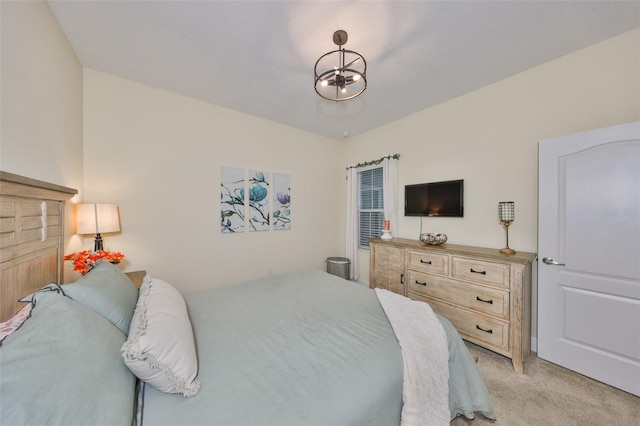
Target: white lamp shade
{"points": [[97, 218]]}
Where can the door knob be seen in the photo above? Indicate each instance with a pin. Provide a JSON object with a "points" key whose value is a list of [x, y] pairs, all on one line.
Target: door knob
{"points": [[550, 261]]}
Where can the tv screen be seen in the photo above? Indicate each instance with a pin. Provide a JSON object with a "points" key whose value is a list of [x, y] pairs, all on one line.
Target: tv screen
{"points": [[435, 199]]}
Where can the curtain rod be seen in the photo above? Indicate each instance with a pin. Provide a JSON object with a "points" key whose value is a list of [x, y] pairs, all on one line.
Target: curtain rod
{"points": [[374, 162]]}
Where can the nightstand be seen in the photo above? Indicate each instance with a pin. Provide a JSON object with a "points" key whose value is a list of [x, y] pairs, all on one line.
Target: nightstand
{"points": [[136, 277]]}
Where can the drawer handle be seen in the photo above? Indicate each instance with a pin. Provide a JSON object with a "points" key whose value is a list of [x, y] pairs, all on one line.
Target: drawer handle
{"points": [[418, 282], [402, 279], [482, 329], [478, 272], [428, 262], [485, 301]]}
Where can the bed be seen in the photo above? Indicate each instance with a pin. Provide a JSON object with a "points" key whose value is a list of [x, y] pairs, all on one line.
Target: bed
{"points": [[305, 348]]}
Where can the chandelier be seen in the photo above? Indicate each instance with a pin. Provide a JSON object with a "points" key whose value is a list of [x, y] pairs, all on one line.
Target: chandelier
{"points": [[341, 74]]}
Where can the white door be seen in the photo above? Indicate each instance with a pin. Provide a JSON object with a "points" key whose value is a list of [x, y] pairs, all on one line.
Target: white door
{"points": [[589, 247]]}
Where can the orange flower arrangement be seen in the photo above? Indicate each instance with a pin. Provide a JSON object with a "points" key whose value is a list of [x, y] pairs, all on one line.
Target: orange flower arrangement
{"points": [[84, 261]]}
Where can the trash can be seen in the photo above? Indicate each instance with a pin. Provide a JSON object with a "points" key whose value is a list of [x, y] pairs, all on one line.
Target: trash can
{"points": [[339, 266]]}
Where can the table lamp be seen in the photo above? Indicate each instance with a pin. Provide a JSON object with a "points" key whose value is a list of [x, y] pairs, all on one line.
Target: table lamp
{"points": [[506, 214], [97, 218]]}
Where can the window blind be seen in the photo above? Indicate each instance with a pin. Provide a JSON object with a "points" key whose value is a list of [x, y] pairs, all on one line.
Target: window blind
{"points": [[370, 205]]}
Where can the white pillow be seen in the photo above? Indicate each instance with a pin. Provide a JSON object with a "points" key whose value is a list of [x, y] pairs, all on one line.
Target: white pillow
{"points": [[160, 349]]}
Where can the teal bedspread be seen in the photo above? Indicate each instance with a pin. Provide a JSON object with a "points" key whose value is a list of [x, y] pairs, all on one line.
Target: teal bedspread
{"points": [[305, 348], [467, 392]]}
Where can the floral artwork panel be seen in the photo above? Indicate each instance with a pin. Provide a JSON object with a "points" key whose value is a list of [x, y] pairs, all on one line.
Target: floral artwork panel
{"points": [[258, 201], [232, 203], [281, 201]]}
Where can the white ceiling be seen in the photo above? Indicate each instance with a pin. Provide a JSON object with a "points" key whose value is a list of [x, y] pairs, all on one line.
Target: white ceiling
{"points": [[258, 56]]}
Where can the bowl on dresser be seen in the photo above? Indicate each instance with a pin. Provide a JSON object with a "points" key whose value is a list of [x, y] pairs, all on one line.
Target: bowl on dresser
{"points": [[433, 239]]}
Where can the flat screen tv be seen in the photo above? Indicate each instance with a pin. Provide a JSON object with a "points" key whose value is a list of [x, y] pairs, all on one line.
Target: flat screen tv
{"points": [[444, 199]]}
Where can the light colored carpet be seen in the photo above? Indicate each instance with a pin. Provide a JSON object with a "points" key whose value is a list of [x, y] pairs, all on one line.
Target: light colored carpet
{"points": [[551, 395]]}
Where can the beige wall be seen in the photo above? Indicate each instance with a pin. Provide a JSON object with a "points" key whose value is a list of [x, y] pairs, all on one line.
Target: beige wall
{"points": [[41, 119], [489, 138], [158, 156]]}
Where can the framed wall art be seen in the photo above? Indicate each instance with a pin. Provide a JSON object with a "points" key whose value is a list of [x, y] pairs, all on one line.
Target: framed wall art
{"points": [[258, 201], [232, 203], [281, 201]]}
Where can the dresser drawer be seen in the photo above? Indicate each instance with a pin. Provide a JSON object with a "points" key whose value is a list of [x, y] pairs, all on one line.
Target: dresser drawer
{"points": [[429, 262], [485, 331], [481, 299], [494, 274]]}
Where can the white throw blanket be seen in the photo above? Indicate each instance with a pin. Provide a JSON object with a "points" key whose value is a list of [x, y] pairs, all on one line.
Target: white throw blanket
{"points": [[425, 388]]}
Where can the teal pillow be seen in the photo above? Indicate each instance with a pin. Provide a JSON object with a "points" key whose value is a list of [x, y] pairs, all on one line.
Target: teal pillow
{"points": [[108, 291], [63, 366], [48, 287]]}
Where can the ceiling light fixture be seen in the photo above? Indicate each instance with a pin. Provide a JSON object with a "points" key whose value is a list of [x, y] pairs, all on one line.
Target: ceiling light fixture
{"points": [[344, 81]]}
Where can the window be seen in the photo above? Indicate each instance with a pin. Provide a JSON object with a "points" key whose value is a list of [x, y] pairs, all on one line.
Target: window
{"points": [[370, 205]]}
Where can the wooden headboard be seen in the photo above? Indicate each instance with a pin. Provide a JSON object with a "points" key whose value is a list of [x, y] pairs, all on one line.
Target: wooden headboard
{"points": [[31, 237]]}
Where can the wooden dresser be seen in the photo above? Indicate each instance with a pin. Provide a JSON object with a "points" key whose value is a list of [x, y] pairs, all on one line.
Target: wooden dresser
{"points": [[484, 293]]}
